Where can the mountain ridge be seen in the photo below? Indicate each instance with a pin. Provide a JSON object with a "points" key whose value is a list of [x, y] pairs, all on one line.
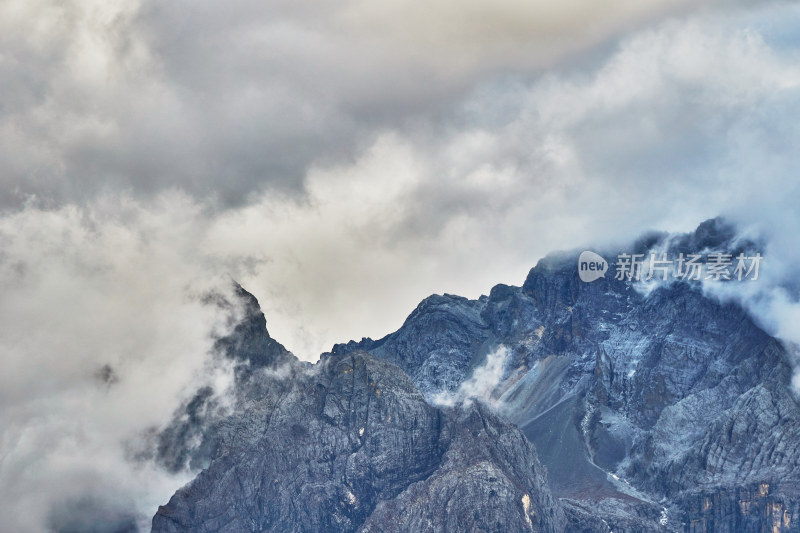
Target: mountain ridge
{"points": [[651, 408]]}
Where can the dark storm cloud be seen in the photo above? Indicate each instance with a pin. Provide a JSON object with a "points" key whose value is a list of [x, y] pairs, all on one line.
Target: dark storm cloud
{"points": [[226, 100]]}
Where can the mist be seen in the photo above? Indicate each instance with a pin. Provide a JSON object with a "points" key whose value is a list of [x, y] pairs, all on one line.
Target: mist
{"points": [[341, 163]]}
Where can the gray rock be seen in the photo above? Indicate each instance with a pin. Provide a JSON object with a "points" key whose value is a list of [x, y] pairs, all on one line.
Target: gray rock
{"points": [[636, 401], [660, 410], [352, 445]]}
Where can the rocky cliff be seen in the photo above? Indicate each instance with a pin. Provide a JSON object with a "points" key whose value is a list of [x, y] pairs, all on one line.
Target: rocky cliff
{"points": [[641, 399], [350, 444], [652, 406]]}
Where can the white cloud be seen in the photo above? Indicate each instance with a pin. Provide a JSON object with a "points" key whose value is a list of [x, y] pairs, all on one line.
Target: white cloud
{"points": [[653, 137], [411, 174], [481, 383], [102, 333], [673, 127]]}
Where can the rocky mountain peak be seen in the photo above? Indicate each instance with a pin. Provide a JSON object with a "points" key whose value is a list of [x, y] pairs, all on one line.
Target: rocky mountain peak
{"points": [[559, 405]]}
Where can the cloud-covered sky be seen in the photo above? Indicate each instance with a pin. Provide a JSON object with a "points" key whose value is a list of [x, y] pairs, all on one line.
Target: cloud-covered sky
{"points": [[342, 160]]}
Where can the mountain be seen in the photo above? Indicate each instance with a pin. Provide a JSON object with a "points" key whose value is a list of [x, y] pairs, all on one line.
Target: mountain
{"points": [[559, 405], [348, 444], [652, 407]]}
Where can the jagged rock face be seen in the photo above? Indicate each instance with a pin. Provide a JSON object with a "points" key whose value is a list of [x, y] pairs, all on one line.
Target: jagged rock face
{"points": [[197, 428], [672, 392], [250, 342], [352, 445], [437, 344], [748, 509], [487, 475], [652, 410]]}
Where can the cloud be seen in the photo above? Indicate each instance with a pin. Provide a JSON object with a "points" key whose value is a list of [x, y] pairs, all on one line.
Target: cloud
{"points": [[102, 333], [481, 383], [678, 122], [476, 35], [231, 100], [341, 172]]}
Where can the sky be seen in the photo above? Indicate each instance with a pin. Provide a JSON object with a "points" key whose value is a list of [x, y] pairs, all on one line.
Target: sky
{"points": [[341, 160]]}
